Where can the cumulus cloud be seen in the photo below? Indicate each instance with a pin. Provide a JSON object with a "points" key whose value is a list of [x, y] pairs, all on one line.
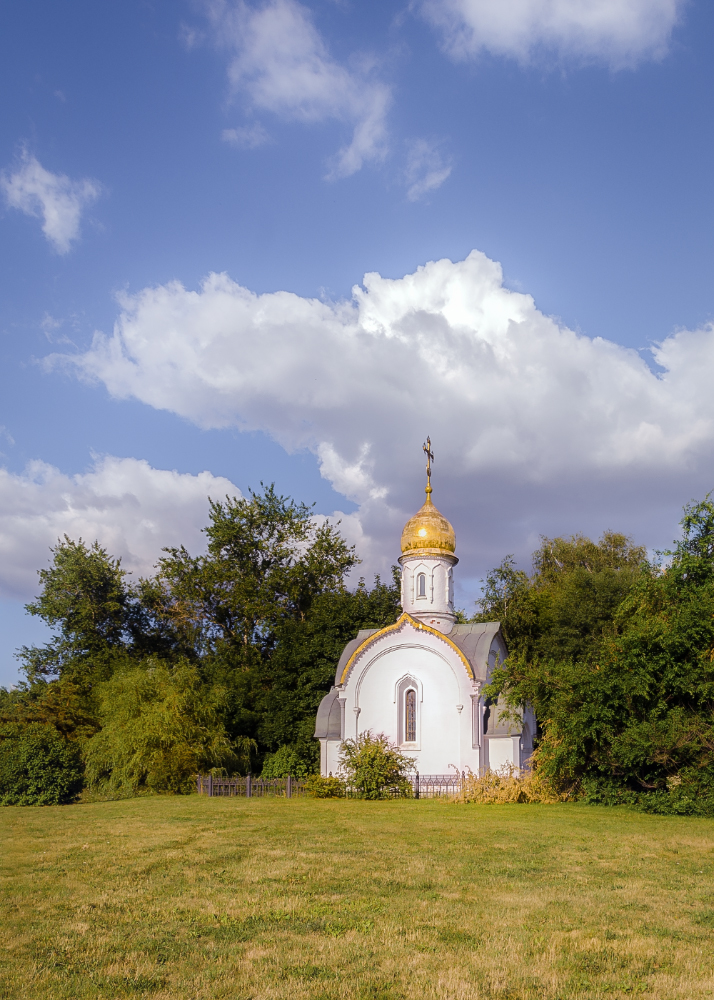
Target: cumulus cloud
{"points": [[280, 62], [536, 428], [616, 32], [426, 169], [133, 510], [54, 198]]}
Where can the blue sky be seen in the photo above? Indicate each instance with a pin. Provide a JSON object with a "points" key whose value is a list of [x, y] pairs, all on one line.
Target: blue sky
{"points": [[294, 148]]}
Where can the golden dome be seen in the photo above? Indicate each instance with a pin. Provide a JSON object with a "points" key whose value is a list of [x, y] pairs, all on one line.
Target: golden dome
{"points": [[428, 531]]}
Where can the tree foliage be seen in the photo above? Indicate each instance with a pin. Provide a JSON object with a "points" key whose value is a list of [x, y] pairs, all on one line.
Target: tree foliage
{"points": [[38, 766], [286, 760], [218, 660], [266, 563], [60, 703], [160, 726], [84, 598], [280, 705], [569, 599], [624, 694]]}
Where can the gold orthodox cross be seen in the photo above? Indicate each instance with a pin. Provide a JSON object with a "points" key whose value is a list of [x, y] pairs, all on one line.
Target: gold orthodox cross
{"points": [[426, 448]]}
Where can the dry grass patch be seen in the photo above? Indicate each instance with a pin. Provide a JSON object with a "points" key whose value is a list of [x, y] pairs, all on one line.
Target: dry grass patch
{"points": [[509, 786], [256, 899]]}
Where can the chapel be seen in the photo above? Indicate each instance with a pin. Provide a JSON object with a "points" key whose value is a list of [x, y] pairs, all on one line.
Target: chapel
{"points": [[420, 680]]}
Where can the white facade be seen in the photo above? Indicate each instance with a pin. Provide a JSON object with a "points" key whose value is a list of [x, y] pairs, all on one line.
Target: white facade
{"points": [[422, 688]]}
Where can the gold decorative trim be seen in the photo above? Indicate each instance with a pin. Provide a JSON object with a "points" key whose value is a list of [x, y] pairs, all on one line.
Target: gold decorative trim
{"points": [[421, 553], [403, 618]]}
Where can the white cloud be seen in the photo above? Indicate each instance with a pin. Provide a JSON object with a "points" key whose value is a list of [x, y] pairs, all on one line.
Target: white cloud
{"points": [[133, 510], [280, 62], [49, 324], [248, 137], [616, 32], [426, 169], [536, 428], [54, 198]]}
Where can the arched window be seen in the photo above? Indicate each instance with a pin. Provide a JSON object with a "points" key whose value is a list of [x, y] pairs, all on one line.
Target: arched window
{"points": [[421, 585], [410, 729]]}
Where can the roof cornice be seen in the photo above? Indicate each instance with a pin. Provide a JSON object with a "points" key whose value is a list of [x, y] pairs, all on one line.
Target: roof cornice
{"points": [[404, 619]]}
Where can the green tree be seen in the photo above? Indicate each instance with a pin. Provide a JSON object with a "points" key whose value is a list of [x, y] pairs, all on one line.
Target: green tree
{"points": [[160, 726], [59, 703], [280, 702], [260, 620], [247, 606], [267, 560], [569, 600], [100, 624], [85, 599], [626, 703], [285, 761]]}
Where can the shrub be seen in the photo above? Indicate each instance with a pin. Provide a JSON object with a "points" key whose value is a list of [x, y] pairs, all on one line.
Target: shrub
{"points": [[682, 801], [38, 766], [325, 788], [508, 785], [285, 761], [375, 767], [684, 795]]}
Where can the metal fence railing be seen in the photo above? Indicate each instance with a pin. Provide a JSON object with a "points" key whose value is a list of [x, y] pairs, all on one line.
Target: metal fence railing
{"points": [[246, 786], [424, 786], [432, 786]]}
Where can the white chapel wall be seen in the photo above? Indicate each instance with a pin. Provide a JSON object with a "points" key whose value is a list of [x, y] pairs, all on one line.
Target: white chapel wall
{"points": [[373, 689]]}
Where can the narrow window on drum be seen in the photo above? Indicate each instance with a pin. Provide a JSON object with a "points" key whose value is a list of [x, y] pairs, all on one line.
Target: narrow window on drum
{"points": [[410, 728], [421, 585]]}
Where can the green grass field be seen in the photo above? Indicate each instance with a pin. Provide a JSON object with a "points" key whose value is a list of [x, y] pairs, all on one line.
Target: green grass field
{"points": [[196, 898]]}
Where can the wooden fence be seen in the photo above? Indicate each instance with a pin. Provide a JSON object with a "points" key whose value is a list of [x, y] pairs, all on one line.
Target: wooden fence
{"points": [[424, 786]]}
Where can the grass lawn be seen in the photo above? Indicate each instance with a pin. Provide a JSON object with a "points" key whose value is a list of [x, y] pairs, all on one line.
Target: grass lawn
{"points": [[196, 898]]}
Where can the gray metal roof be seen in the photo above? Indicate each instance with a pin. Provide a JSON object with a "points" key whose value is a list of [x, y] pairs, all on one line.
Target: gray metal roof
{"points": [[475, 643], [328, 724]]}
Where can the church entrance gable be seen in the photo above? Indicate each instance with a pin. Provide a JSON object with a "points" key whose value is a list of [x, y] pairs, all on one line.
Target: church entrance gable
{"points": [[406, 629]]}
